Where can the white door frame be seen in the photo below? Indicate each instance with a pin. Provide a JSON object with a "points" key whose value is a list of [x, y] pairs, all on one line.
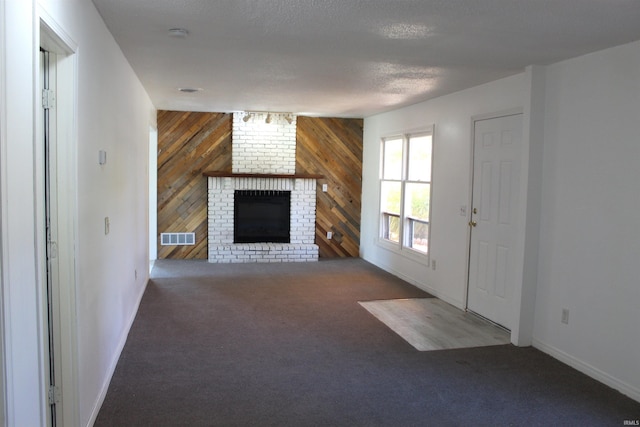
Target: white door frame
{"points": [[517, 299], [54, 39], [152, 172]]}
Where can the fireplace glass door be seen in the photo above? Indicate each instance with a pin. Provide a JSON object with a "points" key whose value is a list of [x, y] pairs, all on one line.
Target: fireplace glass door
{"points": [[261, 216]]}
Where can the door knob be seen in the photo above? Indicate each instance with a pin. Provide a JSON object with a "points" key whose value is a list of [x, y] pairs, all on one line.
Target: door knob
{"points": [[472, 223]]}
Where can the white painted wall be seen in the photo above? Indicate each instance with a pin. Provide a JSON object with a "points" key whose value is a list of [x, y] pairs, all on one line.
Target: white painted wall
{"points": [[451, 182], [590, 238], [25, 394], [114, 113]]}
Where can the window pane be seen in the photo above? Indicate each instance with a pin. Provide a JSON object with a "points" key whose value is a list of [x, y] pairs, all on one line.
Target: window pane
{"points": [[417, 212], [418, 235], [390, 197], [392, 166], [420, 158], [417, 200], [390, 206], [391, 227]]}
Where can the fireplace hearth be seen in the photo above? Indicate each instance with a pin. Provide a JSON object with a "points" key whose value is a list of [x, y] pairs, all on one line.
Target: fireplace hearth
{"points": [[261, 216]]}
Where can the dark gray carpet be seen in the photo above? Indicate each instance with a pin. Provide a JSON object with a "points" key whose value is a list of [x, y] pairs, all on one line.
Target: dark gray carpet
{"points": [[288, 345]]}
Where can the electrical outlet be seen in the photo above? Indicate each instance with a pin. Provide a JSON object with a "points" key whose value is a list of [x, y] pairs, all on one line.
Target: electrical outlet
{"points": [[565, 316], [135, 274], [329, 235]]}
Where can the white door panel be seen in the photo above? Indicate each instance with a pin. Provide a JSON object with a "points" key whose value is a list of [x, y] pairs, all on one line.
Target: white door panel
{"points": [[496, 175]]}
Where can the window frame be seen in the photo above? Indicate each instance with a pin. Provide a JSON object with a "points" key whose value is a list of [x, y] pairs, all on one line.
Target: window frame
{"points": [[403, 246]]}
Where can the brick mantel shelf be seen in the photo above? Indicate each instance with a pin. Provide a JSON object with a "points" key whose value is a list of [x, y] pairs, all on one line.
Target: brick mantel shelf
{"points": [[220, 174]]}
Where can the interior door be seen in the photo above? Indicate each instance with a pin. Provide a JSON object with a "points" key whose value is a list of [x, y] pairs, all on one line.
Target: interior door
{"points": [[496, 178]]}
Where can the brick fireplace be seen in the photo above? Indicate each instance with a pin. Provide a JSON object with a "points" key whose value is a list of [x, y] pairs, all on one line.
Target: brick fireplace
{"points": [[263, 159]]}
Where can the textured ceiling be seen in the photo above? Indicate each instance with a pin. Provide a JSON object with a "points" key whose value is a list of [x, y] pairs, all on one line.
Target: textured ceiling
{"points": [[349, 58]]}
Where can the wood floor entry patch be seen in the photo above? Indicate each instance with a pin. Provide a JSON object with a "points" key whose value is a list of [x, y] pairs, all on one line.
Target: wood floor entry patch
{"points": [[432, 324]]}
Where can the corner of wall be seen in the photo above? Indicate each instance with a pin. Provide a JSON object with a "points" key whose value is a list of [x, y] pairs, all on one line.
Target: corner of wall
{"points": [[533, 141]]}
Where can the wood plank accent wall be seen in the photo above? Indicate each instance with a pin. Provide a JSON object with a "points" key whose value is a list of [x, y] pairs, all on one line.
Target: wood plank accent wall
{"points": [[188, 145], [332, 147], [192, 143]]}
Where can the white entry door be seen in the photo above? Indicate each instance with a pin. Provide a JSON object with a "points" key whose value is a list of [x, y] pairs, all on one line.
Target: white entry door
{"points": [[496, 180]]}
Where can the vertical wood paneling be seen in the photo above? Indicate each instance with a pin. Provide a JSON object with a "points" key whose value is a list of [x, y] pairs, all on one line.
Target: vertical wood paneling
{"points": [[333, 147], [188, 144]]}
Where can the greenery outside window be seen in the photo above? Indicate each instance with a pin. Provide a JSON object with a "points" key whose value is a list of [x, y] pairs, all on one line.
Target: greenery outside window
{"points": [[405, 191]]}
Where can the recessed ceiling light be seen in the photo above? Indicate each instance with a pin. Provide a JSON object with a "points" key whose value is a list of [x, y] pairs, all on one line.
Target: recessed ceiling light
{"points": [[178, 32], [189, 89]]}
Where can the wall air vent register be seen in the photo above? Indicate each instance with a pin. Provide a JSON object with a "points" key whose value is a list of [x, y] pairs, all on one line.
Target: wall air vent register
{"points": [[172, 239]]}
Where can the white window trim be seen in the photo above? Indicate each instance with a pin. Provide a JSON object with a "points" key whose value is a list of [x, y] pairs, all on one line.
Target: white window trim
{"points": [[400, 248]]}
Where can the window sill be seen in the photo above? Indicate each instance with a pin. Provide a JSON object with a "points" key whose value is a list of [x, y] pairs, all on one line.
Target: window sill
{"points": [[408, 253]]}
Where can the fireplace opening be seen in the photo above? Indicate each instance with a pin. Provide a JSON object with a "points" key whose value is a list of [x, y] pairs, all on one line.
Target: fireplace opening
{"points": [[261, 216]]}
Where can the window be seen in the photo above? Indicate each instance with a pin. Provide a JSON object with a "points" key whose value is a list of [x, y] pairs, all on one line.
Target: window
{"points": [[405, 191]]}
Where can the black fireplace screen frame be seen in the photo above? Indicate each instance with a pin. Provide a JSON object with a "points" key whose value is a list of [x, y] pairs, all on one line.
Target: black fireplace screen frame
{"points": [[262, 216]]}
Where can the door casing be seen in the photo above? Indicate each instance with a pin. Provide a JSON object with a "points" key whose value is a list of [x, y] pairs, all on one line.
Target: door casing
{"points": [[54, 39], [519, 336]]}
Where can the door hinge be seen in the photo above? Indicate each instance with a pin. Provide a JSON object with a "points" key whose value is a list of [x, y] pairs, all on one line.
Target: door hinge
{"points": [[54, 395], [53, 250], [48, 99]]}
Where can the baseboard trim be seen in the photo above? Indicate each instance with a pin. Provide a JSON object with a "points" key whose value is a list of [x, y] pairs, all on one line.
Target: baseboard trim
{"points": [[114, 361], [587, 369], [423, 286]]}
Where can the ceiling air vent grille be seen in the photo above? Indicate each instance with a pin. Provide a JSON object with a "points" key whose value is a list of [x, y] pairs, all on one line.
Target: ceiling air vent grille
{"points": [[177, 239]]}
